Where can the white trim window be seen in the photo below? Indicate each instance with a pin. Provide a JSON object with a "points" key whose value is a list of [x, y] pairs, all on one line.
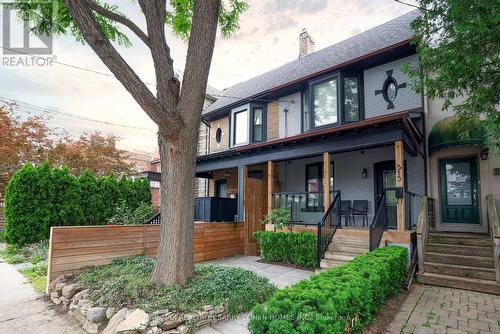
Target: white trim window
{"points": [[240, 126]]}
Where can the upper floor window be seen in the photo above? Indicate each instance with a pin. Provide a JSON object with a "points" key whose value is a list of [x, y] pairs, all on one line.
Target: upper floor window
{"points": [[258, 124], [306, 112], [351, 98], [240, 127], [324, 98]]}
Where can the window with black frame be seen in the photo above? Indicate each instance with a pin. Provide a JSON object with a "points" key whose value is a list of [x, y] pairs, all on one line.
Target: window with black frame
{"points": [[258, 124], [314, 185], [351, 99], [324, 103], [240, 131]]}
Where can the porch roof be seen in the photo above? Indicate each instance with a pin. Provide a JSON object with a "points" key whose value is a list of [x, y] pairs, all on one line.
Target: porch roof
{"points": [[369, 133]]}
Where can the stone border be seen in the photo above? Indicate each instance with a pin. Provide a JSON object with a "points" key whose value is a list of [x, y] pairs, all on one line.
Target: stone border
{"points": [[70, 297]]}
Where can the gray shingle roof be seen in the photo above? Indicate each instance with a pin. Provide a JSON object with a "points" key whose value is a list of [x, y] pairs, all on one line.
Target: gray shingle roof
{"points": [[380, 37]]}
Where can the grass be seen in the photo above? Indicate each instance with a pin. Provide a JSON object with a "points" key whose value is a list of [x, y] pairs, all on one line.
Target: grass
{"points": [[34, 253], [36, 275], [125, 283]]}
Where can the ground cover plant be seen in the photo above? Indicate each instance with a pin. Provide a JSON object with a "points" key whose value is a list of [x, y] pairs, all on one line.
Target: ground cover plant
{"points": [[125, 283], [286, 247], [36, 275], [33, 253], [338, 300]]}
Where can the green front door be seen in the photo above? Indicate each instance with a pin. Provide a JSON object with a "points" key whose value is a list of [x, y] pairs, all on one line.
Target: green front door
{"points": [[458, 190]]}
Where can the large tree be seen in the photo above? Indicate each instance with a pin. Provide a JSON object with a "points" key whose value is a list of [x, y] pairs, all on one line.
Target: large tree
{"points": [[175, 109], [30, 140], [459, 49]]}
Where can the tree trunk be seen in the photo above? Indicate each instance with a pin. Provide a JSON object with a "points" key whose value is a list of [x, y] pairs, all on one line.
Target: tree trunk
{"points": [[175, 257]]}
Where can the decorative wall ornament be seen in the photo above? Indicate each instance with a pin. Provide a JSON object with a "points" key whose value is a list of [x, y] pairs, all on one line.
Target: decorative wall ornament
{"points": [[390, 89]]}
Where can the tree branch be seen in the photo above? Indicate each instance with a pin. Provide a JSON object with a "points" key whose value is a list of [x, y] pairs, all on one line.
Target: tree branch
{"points": [[167, 85], [198, 59], [120, 19], [167, 119]]}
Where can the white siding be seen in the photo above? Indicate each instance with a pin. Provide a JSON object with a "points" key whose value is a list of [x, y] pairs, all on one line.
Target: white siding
{"points": [[290, 115]]}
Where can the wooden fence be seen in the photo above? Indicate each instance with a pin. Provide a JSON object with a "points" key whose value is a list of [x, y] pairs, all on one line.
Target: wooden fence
{"points": [[75, 247]]}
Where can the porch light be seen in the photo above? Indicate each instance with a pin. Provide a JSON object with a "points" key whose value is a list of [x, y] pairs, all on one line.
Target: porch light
{"points": [[364, 173], [484, 153]]}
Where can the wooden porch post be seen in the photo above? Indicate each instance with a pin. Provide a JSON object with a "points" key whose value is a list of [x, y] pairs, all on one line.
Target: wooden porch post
{"points": [[400, 183], [270, 185], [326, 179]]}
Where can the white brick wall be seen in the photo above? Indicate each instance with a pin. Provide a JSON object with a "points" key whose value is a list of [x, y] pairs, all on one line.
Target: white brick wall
{"points": [[292, 126], [374, 78]]}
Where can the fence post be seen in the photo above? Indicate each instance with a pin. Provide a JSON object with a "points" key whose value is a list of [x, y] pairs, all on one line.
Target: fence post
{"points": [[49, 261], [318, 242]]}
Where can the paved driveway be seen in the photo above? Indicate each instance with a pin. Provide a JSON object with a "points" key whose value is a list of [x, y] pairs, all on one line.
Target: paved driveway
{"points": [[22, 313]]}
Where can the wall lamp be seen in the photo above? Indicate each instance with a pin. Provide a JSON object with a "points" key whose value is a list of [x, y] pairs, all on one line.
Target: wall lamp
{"points": [[364, 173], [484, 153]]}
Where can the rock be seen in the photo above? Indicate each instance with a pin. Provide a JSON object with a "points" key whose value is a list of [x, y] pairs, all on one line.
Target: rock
{"points": [[96, 314], [70, 290], [208, 308], [115, 320], [54, 296], [110, 312], [91, 327], [172, 322], [183, 329], [135, 321], [81, 295], [156, 322], [154, 330], [59, 287], [159, 312], [60, 279]]}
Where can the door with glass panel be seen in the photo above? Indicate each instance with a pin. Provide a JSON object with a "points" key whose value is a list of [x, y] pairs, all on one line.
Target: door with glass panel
{"points": [[459, 191]]}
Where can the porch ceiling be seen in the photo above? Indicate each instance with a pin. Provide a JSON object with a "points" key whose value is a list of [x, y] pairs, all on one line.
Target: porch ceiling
{"points": [[376, 132]]}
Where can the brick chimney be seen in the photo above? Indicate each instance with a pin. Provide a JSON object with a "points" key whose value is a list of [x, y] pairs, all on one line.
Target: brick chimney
{"points": [[306, 43]]}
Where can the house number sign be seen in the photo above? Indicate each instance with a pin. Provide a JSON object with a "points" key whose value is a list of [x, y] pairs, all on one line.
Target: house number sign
{"points": [[399, 178]]}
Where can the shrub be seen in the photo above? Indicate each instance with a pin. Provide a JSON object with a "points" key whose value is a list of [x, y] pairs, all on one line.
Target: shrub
{"points": [[329, 301], [125, 215], [33, 253], [280, 217], [37, 276], [125, 283], [297, 248], [37, 198]]}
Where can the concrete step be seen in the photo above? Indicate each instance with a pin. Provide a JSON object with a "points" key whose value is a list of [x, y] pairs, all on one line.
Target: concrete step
{"points": [[465, 283], [350, 241], [460, 270], [339, 256], [462, 239], [326, 263], [464, 260], [486, 251], [343, 248]]}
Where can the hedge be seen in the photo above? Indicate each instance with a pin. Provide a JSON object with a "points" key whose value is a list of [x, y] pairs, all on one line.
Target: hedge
{"points": [[297, 248], [330, 300], [37, 198]]}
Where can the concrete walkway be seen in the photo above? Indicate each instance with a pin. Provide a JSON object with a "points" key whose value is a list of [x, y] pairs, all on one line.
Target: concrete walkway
{"points": [[279, 275], [438, 310], [22, 313]]}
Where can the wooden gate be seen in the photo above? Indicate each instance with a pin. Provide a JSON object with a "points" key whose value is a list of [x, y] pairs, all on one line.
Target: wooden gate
{"points": [[255, 205]]}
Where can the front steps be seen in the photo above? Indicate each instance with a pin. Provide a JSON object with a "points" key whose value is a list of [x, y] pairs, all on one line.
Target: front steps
{"points": [[343, 248], [460, 260]]}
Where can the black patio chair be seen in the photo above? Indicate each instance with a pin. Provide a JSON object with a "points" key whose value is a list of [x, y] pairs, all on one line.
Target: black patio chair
{"points": [[345, 209], [360, 208]]}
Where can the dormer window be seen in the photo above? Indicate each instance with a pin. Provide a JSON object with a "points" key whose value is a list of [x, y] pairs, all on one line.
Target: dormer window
{"points": [[240, 127], [351, 98], [324, 97], [248, 124], [258, 124]]}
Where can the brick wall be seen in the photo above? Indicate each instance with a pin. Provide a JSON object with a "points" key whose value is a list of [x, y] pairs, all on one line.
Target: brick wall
{"points": [[273, 119], [223, 124]]}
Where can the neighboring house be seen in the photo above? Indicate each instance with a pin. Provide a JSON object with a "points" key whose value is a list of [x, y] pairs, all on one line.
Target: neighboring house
{"points": [[141, 160], [153, 169], [341, 128]]}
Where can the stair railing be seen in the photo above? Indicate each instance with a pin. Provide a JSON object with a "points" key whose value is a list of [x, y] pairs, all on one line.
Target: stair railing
{"points": [[379, 223], [425, 220], [328, 226], [494, 231]]}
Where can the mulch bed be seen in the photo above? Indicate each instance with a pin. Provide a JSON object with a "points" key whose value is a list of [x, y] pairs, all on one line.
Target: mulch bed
{"points": [[382, 320], [289, 265]]}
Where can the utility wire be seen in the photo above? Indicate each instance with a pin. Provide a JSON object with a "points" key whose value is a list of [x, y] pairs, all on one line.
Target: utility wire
{"points": [[58, 113]]}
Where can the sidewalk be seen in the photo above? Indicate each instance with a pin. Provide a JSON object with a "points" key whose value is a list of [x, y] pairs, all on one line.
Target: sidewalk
{"points": [[22, 313]]}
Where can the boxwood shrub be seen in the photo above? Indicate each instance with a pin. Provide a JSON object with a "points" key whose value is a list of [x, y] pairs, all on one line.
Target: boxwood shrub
{"points": [[329, 301], [293, 248]]}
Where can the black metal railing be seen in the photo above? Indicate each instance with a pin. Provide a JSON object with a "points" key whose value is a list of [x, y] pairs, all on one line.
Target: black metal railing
{"points": [[379, 223], [155, 219], [305, 207], [213, 209], [412, 206], [328, 226]]}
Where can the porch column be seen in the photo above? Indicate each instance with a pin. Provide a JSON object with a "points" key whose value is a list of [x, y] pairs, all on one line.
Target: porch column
{"points": [[241, 192], [270, 185], [326, 179], [400, 183]]}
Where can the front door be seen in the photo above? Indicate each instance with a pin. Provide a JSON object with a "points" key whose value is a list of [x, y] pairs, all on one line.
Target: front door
{"points": [[385, 182], [458, 192], [255, 205]]}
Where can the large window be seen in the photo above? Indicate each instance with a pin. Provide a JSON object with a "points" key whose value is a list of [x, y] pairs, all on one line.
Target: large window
{"points": [[240, 124], [258, 124], [324, 96], [351, 99]]}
